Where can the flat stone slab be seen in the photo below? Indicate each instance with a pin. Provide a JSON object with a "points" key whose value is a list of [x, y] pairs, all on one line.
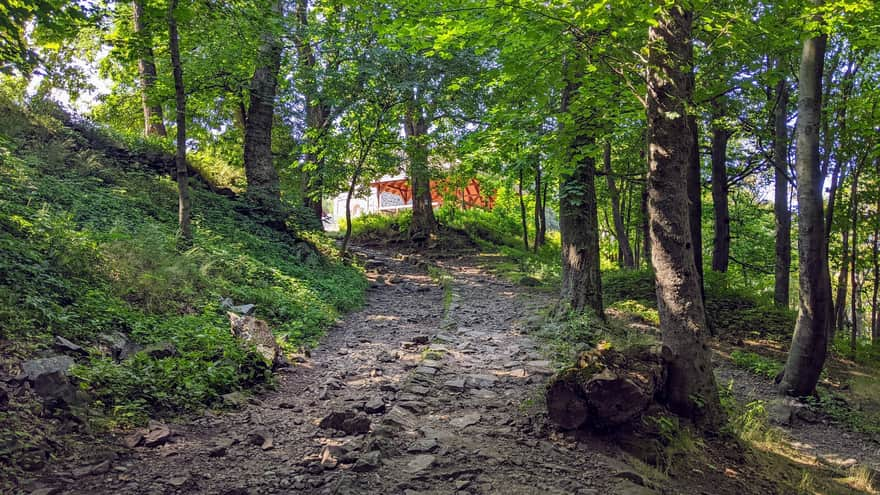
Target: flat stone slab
{"points": [[468, 419]]}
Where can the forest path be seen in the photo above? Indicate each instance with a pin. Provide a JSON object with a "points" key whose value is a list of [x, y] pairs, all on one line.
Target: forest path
{"points": [[449, 384]]}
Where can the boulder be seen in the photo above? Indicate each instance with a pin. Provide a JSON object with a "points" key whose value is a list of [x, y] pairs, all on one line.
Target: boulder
{"points": [[36, 367], [55, 389]]}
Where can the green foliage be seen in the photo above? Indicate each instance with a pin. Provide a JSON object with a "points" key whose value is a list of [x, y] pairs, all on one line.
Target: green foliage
{"points": [[381, 228], [623, 285], [757, 363], [673, 440], [88, 247], [635, 309]]}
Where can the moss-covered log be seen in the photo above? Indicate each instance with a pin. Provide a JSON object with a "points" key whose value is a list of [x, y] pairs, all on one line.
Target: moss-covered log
{"points": [[606, 389]]}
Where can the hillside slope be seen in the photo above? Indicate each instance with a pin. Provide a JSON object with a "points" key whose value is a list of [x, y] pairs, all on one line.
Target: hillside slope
{"points": [[88, 254]]}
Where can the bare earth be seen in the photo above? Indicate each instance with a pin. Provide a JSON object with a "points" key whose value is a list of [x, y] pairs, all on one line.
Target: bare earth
{"points": [[452, 396]]}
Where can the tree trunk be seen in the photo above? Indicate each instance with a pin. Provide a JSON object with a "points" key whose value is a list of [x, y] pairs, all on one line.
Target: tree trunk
{"points": [[695, 199], [780, 208], [263, 188], [578, 214], [721, 241], [620, 233], [183, 203], [540, 199], [352, 185], [423, 223], [854, 198], [317, 116], [809, 345], [646, 225], [875, 313], [607, 388], [154, 124], [690, 388], [842, 281], [522, 210]]}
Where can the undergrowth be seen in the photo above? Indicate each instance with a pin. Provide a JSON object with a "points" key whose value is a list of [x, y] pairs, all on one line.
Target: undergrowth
{"points": [[88, 248]]}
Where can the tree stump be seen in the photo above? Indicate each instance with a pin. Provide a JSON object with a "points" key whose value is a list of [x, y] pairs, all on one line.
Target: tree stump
{"points": [[607, 388]]}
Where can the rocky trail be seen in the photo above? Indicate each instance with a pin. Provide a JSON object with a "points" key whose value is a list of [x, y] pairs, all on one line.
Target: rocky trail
{"points": [[429, 389]]}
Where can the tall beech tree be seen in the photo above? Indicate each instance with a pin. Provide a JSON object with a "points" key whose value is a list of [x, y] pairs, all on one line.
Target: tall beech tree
{"points": [[578, 213], [690, 389], [809, 344], [263, 188], [781, 210]]}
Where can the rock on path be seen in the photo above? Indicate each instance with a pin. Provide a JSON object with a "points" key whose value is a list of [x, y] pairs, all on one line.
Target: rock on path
{"points": [[398, 398]]}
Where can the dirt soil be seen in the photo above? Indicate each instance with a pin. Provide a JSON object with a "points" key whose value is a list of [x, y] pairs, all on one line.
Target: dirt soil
{"points": [[425, 391]]}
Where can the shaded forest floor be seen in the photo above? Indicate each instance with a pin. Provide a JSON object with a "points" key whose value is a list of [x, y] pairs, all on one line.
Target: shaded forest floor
{"points": [[435, 387]]}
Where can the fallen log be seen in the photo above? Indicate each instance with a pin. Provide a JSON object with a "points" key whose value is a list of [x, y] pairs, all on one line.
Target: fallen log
{"points": [[607, 388]]}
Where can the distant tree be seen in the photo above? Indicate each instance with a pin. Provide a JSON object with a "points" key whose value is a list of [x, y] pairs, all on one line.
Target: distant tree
{"points": [[184, 210]]}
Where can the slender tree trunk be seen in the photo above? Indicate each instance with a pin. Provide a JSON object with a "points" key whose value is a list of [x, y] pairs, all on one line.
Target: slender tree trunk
{"points": [[543, 232], [809, 345], [839, 173], [263, 188], [540, 198], [780, 207], [423, 223], [842, 281], [183, 203], [721, 241], [854, 195], [578, 213], [875, 313], [690, 388], [351, 187], [620, 233], [154, 124], [646, 225], [695, 196], [317, 116], [522, 210]]}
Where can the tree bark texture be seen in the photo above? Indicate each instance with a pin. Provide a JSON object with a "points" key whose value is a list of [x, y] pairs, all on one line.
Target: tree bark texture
{"points": [[522, 210], [263, 188], [809, 344], [854, 219], [720, 207], [317, 117], [842, 281], [540, 216], [781, 210], [423, 223], [578, 214], [690, 389], [695, 198], [183, 204], [154, 124], [620, 233]]}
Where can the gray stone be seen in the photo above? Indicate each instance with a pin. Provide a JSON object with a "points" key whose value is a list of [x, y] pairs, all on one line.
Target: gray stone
{"points": [[426, 370], [368, 462], [375, 405], [117, 345], [482, 380], [456, 384], [423, 446], [63, 345], [55, 364], [347, 421], [100, 468], [466, 420], [158, 435], [386, 357], [55, 389], [419, 463], [261, 437]]}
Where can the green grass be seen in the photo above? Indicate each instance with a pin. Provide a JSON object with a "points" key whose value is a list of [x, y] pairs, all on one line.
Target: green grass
{"points": [[88, 246], [757, 363]]}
